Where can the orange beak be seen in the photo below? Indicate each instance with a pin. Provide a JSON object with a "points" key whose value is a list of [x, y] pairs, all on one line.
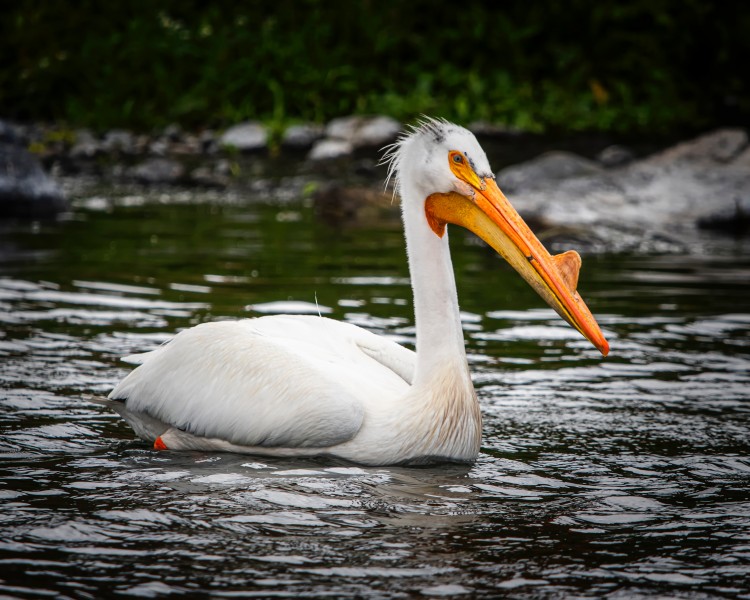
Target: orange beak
{"points": [[488, 214]]}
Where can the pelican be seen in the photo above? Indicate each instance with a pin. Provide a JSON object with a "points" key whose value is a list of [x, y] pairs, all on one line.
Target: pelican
{"points": [[292, 386]]}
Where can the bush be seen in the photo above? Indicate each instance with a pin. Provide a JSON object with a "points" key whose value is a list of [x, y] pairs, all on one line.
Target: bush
{"points": [[637, 66]]}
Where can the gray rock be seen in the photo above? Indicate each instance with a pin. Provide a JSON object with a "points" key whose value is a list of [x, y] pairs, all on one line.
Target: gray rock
{"points": [[361, 131], [302, 137], [158, 147], [223, 167], [86, 145], [159, 170], [549, 167], [10, 133], [26, 191], [245, 137], [743, 160], [205, 176], [187, 145], [720, 146], [173, 132], [207, 141], [656, 203], [119, 140], [615, 156], [328, 149]]}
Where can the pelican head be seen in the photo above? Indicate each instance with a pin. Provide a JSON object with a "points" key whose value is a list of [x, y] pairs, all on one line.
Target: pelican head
{"points": [[441, 168]]}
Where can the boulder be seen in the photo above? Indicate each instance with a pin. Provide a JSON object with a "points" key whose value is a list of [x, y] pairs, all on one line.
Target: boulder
{"points": [[246, 137], [614, 156], [656, 203], [720, 146], [364, 131], [545, 169], [26, 191]]}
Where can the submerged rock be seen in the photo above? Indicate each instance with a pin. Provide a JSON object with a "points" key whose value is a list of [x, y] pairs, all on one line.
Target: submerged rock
{"points": [[26, 191]]}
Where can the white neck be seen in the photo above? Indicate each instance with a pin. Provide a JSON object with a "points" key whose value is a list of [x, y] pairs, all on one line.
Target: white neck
{"points": [[440, 342]]}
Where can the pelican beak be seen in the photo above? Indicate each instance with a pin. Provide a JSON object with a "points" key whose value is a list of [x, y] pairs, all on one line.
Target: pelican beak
{"points": [[486, 212]]}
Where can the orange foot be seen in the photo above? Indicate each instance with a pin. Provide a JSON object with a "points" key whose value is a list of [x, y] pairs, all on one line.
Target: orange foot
{"points": [[159, 444]]}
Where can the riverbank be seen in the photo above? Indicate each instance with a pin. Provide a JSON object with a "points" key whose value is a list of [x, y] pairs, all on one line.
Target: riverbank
{"points": [[593, 194]]}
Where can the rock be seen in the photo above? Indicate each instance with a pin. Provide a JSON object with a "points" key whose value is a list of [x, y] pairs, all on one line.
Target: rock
{"points": [[159, 170], [158, 147], [10, 133], [186, 146], [549, 167], [119, 140], [245, 137], [719, 146], [207, 141], [486, 129], [26, 191], [656, 203], [223, 167], [339, 205], [743, 160], [614, 156], [328, 149], [302, 137], [362, 131], [734, 221], [173, 132], [142, 144], [205, 176], [86, 146]]}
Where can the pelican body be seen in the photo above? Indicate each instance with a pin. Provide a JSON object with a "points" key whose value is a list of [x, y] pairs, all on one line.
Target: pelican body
{"points": [[307, 386]]}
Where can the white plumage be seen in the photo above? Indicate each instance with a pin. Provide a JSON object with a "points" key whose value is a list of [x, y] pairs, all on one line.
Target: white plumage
{"points": [[303, 386]]}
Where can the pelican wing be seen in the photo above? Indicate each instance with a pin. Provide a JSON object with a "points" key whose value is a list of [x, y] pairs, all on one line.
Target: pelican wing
{"points": [[277, 381]]}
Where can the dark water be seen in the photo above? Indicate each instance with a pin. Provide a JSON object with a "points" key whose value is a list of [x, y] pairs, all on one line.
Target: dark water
{"points": [[624, 477]]}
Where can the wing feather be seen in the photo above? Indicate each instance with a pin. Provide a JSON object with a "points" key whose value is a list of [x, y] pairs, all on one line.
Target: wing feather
{"points": [[272, 381]]}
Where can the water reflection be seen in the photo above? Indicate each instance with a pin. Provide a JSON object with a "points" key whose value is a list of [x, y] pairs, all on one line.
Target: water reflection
{"points": [[620, 477]]}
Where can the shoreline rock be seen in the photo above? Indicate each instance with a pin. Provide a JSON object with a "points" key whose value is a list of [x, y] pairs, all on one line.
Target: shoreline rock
{"points": [[649, 204], [26, 191], [613, 202], [250, 136]]}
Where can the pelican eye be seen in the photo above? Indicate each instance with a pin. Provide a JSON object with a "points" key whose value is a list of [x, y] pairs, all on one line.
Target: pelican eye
{"points": [[458, 159]]}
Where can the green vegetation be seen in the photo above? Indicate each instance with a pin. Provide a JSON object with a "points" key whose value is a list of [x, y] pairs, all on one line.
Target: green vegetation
{"points": [[643, 65]]}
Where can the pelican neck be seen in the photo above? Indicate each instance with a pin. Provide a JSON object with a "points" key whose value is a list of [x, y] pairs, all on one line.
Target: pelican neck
{"points": [[440, 342]]}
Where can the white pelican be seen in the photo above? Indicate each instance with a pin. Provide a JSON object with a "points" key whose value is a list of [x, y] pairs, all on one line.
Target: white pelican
{"points": [[307, 386]]}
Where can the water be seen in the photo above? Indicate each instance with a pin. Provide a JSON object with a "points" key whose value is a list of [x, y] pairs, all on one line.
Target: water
{"points": [[621, 477]]}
